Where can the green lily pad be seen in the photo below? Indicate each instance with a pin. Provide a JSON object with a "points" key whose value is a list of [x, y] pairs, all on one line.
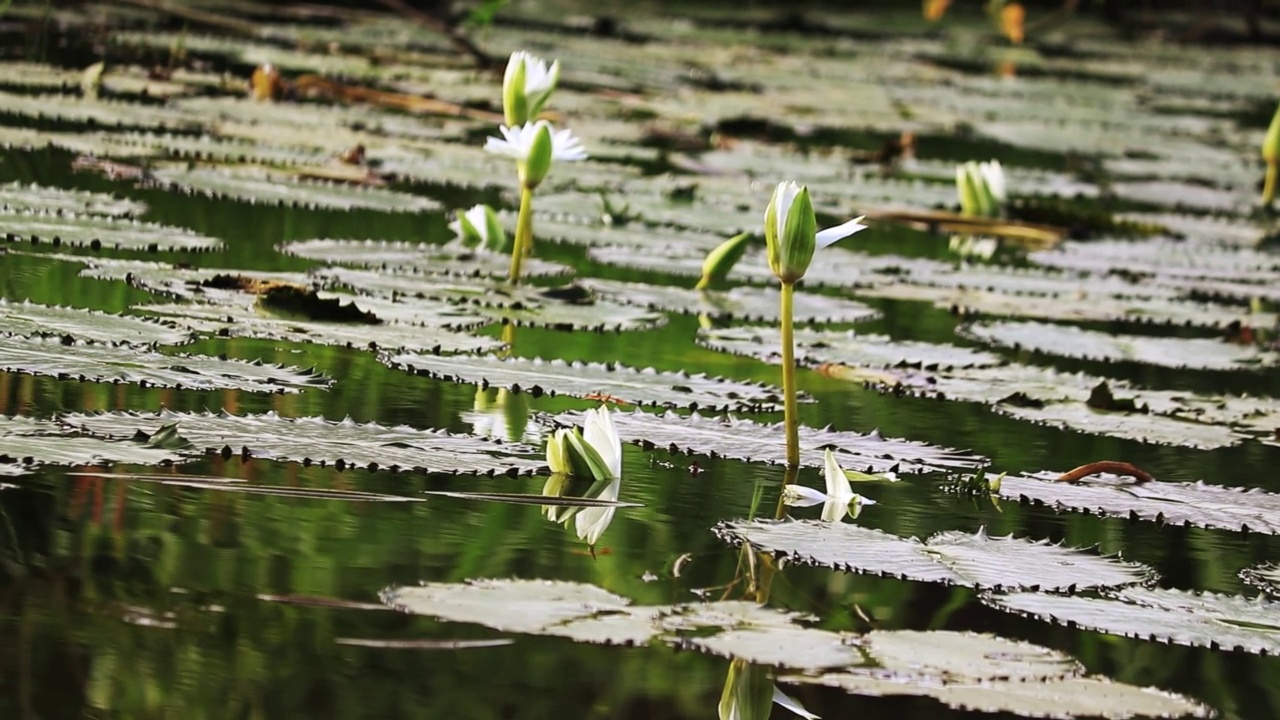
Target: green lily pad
{"points": [[406, 258], [950, 558], [1162, 258], [27, 443], [1187, 504], [104, 113], [595, 380], [636, 235], [752, 304], [99, 232], [102, 362], [845, 347], [1229, 622], [1202, 229], [317, 440], [20, 197], [1074, 342], [262, 186], [742, 439], [86, 325], [1185, 195]]}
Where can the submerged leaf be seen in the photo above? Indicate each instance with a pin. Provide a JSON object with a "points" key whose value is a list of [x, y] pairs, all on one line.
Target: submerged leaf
{"points": [[316, 440], [594, 380], [951, 558], [742, 439]]}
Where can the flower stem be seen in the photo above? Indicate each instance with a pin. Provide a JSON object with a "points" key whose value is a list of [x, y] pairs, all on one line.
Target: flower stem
{"points": [[789, 377], [524, 234], [1269, 186]]}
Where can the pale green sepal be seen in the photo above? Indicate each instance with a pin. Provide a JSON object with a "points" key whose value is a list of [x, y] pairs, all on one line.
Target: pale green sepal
{"points": [[538, 163], [1271, 143], [722, 259], [558, 452], [496, 239], [800, 238], [584, 460], [515, 106]]}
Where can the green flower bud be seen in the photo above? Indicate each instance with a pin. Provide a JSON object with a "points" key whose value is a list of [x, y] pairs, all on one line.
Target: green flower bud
{"points": [[538, 163], [790, 231], [1271, 144], [721, 260]]}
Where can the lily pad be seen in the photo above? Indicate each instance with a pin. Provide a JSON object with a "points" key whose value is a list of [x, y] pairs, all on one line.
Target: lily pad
{"points": [[262, 186], [1073, 342], [1162, 258], [404, 257], [99, 232], [103, 362], [752, 304], [15, 197], [951, 558], [86, 325], [967, 656], [1264, 577], [317, 440], [815, 347], [26, 443], [525, 606], [742, 439], [1189, 504], [1209, 620], [106, 113], [595, 380]]}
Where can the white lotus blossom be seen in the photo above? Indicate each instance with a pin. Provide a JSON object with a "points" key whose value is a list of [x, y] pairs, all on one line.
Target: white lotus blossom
{"points": [[837, 500]]}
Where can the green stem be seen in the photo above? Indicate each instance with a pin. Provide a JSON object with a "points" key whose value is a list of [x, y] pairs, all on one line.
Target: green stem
{"points": [[524, 234], [789, 377], [1269, 187]]}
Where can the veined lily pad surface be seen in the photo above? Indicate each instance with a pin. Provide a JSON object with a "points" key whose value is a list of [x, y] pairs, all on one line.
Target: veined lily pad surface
{"points": [[255, 369]]}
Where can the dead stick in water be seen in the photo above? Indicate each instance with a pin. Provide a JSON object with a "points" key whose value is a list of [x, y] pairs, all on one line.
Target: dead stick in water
{"points": [[1106, 466]]}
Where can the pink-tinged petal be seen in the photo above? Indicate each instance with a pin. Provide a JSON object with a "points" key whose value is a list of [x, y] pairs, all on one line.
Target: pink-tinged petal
{"points": [[840, 232]]}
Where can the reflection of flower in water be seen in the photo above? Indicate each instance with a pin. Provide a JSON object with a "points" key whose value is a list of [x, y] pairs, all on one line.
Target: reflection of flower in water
{"points": [[502, 415], [594, 453], [749, 694]]}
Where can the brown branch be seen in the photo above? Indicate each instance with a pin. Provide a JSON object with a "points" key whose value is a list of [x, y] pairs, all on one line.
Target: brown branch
{"points": [[1115, 467]]}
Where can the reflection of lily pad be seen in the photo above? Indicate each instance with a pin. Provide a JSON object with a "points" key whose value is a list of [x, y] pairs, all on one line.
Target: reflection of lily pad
{"points": [[314, 439], [844, 347], [595, 380], [1074, 342], [102, 362], [1194, 504], [31, 319], [742, 439], [753, 304], [1231, 622], [952, 558], [100, 232], [404, 257]]}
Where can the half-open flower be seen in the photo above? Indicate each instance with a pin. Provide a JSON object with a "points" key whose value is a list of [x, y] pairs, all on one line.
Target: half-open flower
{"points": [[526, 86], [479, 228], [836, 501], [535, 146], [791, 231]]}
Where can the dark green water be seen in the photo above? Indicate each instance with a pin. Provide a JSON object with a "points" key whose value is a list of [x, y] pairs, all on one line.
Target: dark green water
{"points": [[81, 556]]}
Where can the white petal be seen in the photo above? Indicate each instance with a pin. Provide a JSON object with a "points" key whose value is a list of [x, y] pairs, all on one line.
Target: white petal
{"points": [[801, 496], [513, 62], [837, 482], [993, 173], [479, 220], [591, 522], [834, 510], [566, 146], [839, 232], [600, 434], [784, 700], [536, 75], [783, 197]]}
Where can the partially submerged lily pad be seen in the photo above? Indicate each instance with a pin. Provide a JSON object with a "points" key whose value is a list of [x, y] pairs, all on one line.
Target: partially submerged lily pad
{"points": [[594, 380], [742, 439], [98, 232], [86, 325], [1189, 504], [105, 362], [316, 440], [1211, 620], [951, 558], [1074, 342], [404, 257], [751, 304], [814, 347]]}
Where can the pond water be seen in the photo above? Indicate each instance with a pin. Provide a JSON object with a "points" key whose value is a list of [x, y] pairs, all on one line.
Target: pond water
{"points": [[142, 576]]}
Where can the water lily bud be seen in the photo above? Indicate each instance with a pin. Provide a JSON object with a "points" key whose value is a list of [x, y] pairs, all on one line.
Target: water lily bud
{"points": [[479, 227], [515, 108], [538, 162], [721, 260], [1271, 144], [527, 84], [790, 231], [558, 452], [585, 461], [995, 483]]}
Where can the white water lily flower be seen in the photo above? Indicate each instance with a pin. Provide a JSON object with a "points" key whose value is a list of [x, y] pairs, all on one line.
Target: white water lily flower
{"points": [[527, 84], [595, 452], [599, 432], [993, 174], [480, 228], [590, 523], [791, 232], [535, 146], [838, 498]]}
